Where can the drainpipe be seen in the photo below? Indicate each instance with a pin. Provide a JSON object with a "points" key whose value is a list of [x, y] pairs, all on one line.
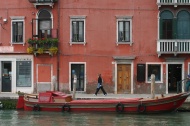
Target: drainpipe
{"points": [[58, 54]]}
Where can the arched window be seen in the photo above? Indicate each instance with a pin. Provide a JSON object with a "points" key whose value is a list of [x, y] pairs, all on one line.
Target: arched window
{"points": [[44, 24], [166, 25], [183, 25]]}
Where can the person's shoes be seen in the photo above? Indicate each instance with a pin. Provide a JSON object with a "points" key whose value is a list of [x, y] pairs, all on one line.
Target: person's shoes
{"points": [[105, 94], [95, 95]]}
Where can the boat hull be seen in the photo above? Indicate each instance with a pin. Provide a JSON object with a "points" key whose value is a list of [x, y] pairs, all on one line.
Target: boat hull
{"points": [[135, 105]]}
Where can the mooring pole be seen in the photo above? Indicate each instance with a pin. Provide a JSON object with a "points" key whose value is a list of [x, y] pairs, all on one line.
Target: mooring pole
{"points": [[74, 85], [152, 86]]}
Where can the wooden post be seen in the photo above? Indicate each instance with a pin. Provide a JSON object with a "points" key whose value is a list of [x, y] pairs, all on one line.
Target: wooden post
{"points": [[152, 86], [74, 85]]}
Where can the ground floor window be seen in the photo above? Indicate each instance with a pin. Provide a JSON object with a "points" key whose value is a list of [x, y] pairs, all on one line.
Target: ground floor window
{"points": [[78, 69], [154, 69], [23, 74]]}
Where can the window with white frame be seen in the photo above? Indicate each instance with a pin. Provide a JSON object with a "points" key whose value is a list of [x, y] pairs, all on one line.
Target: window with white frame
{"points": [[124, 29], [154, 69], [78, 29], [24, 73], [17, 30]]}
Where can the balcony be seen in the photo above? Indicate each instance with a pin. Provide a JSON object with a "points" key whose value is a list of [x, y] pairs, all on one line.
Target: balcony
{"points": [[42, 46], [43, 2], [175, 3], [173, 47]]}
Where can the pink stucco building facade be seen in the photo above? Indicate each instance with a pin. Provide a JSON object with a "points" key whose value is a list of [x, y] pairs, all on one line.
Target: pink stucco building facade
{"points": [[124, 40]]}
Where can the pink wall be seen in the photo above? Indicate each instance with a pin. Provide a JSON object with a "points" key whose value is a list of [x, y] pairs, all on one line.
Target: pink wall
{"points": [[101, 35]]}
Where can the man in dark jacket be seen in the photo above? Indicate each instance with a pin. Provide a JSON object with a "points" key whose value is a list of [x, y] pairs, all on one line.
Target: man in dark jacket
{"points": [[100, 86]]}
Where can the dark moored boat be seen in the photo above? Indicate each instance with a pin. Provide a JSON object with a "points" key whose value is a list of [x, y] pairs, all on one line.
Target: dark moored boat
{"points": [[60, 102]]}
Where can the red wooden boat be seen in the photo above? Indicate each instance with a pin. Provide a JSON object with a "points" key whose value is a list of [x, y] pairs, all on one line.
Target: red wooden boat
{"points": [[60, 102]]}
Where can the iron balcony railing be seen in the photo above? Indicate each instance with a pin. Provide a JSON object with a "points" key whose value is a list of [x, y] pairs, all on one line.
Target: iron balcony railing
{"points": [[173, 47], [173, 2]]}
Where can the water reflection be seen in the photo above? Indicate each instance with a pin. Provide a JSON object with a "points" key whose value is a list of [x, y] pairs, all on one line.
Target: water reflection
{"points": [[25, 118]]}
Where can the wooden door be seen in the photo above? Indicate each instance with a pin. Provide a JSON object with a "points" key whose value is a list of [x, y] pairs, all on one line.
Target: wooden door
{"points": [[123, 78]]}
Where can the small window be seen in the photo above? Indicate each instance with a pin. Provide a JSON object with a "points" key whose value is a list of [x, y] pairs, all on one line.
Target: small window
{"points": [[124, 30], [154, 69], [77, 31], [17, 31], [77, 28], [23, 74]]}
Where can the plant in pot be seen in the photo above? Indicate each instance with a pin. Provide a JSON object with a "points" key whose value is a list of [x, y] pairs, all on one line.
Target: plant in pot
{"points": [[40, 50], [53, 50], [54, 42], [30, 49]]}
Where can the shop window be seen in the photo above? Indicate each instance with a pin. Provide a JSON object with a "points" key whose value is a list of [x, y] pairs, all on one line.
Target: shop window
{"points": [[23, 74]]}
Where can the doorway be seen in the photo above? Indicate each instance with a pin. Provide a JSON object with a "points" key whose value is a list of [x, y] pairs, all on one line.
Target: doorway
{"points": [[6, 71], [123, 78], [174, 76], [78, 69]]}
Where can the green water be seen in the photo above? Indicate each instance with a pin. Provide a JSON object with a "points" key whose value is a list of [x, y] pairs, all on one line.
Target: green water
{"points": [[25, 118]]}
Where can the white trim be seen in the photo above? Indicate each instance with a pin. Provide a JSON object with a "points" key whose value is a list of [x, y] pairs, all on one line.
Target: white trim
{"points": [[161, 71], [13, 59], [17, 17], [182, 74], [132, 73], [70, 63], [78, 17]]}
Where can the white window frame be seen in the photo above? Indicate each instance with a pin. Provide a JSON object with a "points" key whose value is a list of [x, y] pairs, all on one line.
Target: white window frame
{"points": [[77, 18], [161, 72], [124, 18], [18, 19]]}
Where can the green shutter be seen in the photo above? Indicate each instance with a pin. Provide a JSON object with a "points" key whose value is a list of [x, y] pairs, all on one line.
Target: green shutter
{"points": [[161, 29], [174, 28]]}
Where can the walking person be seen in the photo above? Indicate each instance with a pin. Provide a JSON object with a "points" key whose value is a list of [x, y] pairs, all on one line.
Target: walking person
{"points": [[100, 86], [188, 83]]}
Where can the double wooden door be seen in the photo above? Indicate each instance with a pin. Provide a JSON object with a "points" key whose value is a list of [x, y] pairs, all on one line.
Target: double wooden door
{"points": [[123, 78]]}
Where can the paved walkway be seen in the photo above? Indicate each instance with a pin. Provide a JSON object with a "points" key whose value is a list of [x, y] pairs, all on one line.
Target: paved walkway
{"points": [[99, 96]]}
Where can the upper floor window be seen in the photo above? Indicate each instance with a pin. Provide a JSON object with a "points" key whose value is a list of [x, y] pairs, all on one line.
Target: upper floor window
{"points": [[17, 30], [124, 30], [174, 28], [78, 30], [44, 24]]}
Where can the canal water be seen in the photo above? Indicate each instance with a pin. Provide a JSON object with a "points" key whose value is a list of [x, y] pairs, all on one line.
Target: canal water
{"points": [[26, 118]]}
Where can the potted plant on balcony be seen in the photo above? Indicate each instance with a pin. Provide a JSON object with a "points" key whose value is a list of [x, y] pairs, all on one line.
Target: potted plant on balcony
{"points": [[40, 50], [30, 49], [33, 42], [54, 42], [53, 50]]}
